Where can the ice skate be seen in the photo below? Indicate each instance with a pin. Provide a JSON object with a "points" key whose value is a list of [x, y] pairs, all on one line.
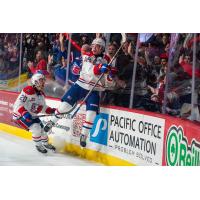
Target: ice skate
{"points": [[83, 139], [50, 147], [41, 149], [48, 126]]}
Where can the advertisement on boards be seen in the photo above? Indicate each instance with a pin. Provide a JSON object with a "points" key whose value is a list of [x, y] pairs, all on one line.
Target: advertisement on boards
{"points": [[134, 137], [182, 144]]}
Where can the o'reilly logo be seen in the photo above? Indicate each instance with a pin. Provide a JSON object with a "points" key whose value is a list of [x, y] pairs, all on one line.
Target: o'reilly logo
{"points": [[178, 151]]}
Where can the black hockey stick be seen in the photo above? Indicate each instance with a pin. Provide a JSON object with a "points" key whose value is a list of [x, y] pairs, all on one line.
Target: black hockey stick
{"points": [[68, 115]]}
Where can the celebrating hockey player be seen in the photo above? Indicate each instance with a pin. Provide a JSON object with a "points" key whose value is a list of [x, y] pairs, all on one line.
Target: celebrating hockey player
{"points": [[94, 64], [29, 103]]}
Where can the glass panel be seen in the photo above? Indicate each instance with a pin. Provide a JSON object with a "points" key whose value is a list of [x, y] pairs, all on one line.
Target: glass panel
{"points": [[150, 66], [196, 79], [163, 67], [46, 52], [124, 62], [179, 76], [9, 61]]}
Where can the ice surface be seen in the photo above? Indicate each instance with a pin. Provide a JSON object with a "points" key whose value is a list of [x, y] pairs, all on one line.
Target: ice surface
{"points": [[15, 151]]}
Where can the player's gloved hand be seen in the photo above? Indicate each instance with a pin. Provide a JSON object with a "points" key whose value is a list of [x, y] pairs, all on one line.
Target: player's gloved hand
{"points": [[27, 116], [104, 68], [50, 110]]}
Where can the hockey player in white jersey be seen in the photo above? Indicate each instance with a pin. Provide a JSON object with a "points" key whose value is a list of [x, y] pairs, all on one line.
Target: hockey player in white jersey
{"points": [[29, 103], [94, 64]]}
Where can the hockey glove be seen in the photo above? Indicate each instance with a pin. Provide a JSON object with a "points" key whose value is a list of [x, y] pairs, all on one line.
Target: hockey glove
{"points": [[104, 68], [27, 116], [50, 110]]}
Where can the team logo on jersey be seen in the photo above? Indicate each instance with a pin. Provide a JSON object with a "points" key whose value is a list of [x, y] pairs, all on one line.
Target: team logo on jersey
{"points": [[90, 59], [99, 132]]}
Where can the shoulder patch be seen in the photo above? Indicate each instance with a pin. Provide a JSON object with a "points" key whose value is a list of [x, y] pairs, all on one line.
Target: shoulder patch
{"points": [[29, 90]]}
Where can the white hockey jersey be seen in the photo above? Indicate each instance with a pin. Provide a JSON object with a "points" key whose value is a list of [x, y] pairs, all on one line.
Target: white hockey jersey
{"points": [[89, 76], [32, 101]]}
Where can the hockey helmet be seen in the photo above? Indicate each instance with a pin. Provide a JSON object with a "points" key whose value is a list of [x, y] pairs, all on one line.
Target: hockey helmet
{"points": [[38, 80], [99, 41]]}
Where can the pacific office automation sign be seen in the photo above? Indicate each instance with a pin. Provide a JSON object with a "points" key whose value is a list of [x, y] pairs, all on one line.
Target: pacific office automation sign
{"points": [[134, 137], [178, 150]]}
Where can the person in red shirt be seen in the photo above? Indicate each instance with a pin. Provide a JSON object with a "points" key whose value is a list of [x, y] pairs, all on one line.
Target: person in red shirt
{"points": [[186, 63], [40, 66]]}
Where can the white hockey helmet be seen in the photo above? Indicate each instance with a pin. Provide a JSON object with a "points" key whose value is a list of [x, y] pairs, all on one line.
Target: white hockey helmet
{"points": [[99, 41], [38, 80]]}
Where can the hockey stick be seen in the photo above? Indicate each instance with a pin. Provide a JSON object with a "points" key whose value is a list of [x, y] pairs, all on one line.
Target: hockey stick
{"points": [[68, 115], [92, 89]]}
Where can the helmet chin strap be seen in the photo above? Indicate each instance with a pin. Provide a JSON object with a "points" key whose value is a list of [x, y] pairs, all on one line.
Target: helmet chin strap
{"points": [[38, 87]]}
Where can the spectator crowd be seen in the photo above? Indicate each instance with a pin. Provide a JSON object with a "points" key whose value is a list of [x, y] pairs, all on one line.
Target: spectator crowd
{"points": [[9, 55], [163, 66]]}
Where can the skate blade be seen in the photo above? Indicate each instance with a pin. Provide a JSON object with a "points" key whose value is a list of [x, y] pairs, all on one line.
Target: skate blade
{"points": [[49, 153], [53, 151], [40, 153]]}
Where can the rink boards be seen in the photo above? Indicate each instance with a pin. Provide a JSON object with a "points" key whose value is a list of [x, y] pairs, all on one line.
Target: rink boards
{"points": [[120, 136]]}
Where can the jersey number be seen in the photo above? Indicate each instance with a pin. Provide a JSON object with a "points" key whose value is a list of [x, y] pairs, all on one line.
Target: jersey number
{"points": [[23, 98]]}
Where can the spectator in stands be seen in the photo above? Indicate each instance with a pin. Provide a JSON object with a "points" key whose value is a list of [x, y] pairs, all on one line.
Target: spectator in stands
{"points": [[112, 49], [59, 70], [185, 112], [141, 94], [30, 46], [76, 64], [108, 96], [84, 39], [40, 64], [116, 38], [152, 65], [164, 64], [157, 95], [2, 63], [14, 58], [173, 104], [120, 96], [1, 44]]}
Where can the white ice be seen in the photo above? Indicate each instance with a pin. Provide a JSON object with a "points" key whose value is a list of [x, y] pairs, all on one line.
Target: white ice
{"points": [[15, 151]]}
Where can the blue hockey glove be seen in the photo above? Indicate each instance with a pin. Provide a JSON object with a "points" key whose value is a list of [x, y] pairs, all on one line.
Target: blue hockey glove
{"points": [[104, 68], [27, 116]]}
